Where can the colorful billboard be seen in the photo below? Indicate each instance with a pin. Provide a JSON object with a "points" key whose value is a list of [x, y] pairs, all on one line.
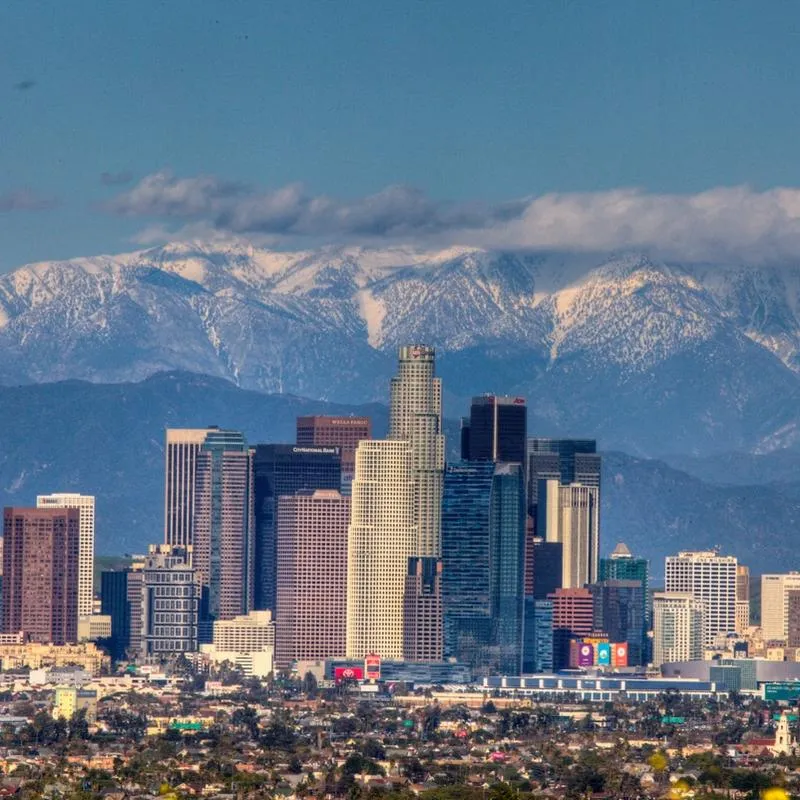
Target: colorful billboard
{"points": [[604, 654], [372, 667], [585, 655], [621, 654], [348, 674]]}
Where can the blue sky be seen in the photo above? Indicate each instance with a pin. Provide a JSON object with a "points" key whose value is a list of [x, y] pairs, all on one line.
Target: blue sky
{"points": [[473, 105]]}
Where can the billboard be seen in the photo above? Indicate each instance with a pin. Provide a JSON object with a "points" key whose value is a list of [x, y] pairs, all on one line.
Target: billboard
{"points": [[788, 691], [348, 674], [604, 654], [585, 655], [372, 667], [621, 654]]}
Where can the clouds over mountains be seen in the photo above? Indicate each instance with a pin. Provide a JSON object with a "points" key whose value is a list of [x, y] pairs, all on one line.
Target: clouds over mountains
{"points": [[736, 223]]}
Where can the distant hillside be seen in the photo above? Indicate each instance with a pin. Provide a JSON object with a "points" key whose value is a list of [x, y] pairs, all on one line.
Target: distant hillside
{"points": [[107, 439]]}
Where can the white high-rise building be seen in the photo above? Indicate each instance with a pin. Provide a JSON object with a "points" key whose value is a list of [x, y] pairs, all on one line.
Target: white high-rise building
{"points": [[678, 625], [775, 604], [571, 515], [711, 578], [381, 536], [85, 504], [416, 417], [182, 448]]}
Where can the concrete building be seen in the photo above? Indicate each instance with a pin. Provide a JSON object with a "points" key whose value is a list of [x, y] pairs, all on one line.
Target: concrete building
{"points": [[342, 432], [35, 656], [742, 599], [40, 573], [85, 505], [224, 523], [93, 627], [678, 627], [311, 613], [496, 429], [711, 578], [416, 417], [570, 515], [69, 700], [248, 641], [245, 634], [775, 589], [381, 537], [284, 469], [422, 617], [170, 604], [181, 450], [573, 618]]}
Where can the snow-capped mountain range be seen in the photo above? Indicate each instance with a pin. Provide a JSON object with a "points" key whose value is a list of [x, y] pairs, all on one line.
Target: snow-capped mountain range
{"points": [[647, 356]]}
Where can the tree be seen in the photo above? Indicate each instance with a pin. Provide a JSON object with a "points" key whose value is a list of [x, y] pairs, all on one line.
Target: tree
{"points": [[310, 685]]}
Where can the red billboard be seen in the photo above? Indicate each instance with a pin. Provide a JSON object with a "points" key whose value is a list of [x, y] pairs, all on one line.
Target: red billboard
{"points": [[348, 674], [372, 666], [621, 654]]}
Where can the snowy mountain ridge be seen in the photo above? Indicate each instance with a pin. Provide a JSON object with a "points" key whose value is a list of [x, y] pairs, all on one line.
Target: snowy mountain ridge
{"points": [[573, 331]]}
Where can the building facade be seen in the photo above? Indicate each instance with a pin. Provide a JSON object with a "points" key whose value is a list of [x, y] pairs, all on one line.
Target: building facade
{"points": [[483, 542], [180, 454], [415, 416], [422, 615], [710, 578], [41, 552], [466, 553], [564, 460], [170, 604], [742, 598], [544, 565], [678, 627], [381, 537], [85, 505], [775, 590], [224, 523], [619, 613], [570, 515], [497, 429], [537, 653], [311, 608], [342, 432], [282, 470], [115, 603], [573, 618]]}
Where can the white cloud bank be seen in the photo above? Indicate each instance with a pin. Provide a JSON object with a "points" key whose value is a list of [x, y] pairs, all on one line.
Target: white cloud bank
{"points": [[729, 223]]}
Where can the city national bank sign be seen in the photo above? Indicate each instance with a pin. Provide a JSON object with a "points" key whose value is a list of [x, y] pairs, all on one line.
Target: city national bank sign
{"points": [[324, 451]]}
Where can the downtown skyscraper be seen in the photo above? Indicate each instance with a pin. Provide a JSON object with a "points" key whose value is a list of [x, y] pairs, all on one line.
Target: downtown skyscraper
{"points": [[41, 549], [223, 526], [381, 538], [416, 417], [396, 516], [85, 505]]}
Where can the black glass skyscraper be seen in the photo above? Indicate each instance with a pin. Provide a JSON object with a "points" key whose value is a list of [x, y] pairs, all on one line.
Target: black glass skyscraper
{"points": [[496, 431], [284, 469], [115, 603]]}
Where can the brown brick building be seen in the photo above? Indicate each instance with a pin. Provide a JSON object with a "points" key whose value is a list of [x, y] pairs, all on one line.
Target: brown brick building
{"points": [[422, 623], [573, 618], [40, 573], [343, 432], [311, 608]]}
